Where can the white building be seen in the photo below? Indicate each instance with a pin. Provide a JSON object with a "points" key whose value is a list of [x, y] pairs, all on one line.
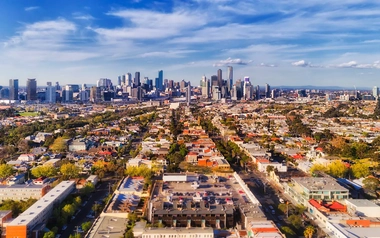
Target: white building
{"points": [[362, 207], [26, 157]]}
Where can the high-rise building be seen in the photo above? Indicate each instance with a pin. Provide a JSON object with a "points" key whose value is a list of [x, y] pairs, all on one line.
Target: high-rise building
{"points": [[103, 83], [267, 91], [31, 89], [220, 78], [57, 86], [205, 87], [375, 92], [183, 84], [123, 79], [136, 81], [188, 93], [214, 80], [13, 89], [119, 79], [160, 80], [230, 77], [67, 93], [128, 79], [257, 92], [50, 95], [171, 84]]}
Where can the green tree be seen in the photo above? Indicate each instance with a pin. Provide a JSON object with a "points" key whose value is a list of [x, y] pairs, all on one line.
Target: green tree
{"points": [[76, 235], [86, 226], [282, 207], [309, 232], [371, 184], [337, 169], [318, 168], [300, 209], [77, 201], [59, 145], [49, 234], [5, 171], [88, 188], [269, 169], [288, 231], [360, 170], [295, 220], [129, 234], [69, 170], [97, 208], [68, 210], [44, 171]]}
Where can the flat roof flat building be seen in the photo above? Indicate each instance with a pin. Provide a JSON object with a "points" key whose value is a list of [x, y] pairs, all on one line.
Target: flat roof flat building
{"points": [[22, 226]]}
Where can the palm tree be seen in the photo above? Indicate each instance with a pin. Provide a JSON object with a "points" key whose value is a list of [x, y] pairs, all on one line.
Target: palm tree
{"points": [[309, 231]]}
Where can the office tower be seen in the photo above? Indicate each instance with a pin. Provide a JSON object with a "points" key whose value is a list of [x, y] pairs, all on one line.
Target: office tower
{"points": [[188, 94], [171, 84], [215, 93], [76, 87], [119, 79], [57, 86], [239, 89], [214, 80], [136, 81], [375, 92], [31, 89], [166, 82], [13, 89], [157, 84], [257, 92], [273, 94], [220, 78], [128, 79], [67, 93], [230, 78], [267, 91], [103, 83], [205, 87], [123, 79], [160, 80], [50, 96], [84, 86], [233, 93], [4, 93], [137, 93], [183, 84], [245, 83]]}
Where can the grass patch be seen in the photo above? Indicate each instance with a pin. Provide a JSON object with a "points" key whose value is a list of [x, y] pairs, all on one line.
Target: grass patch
{"points": [[29, 114]]}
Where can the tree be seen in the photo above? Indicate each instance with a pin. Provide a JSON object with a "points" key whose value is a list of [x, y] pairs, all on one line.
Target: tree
{"points": [[318, 168], [44, 171], [309, 231], [69, 170], [77, 201], [97, 208], [376, 111], [86, 226], [68, 210], [288, 231], [76, 235], [371, 184], [59, 145], [269, 169], [5, 171], [360, 170], [49, 234], [300, 209], [337, 169], [88, 188], [295, 220], [129, 234], [282, 207]]}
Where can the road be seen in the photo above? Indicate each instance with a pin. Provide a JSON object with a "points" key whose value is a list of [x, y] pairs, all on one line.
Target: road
{"points": [[100, 193]]}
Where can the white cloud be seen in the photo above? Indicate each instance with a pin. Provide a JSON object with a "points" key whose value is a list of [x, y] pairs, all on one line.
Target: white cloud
{"points": [[301, 63], [80, 16], [354, 64], [351, 64], [32, 8], [230, 61], [267, 65]]}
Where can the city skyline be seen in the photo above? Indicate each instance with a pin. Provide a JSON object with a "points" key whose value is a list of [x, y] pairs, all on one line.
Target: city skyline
{"points": [[295, 43]]}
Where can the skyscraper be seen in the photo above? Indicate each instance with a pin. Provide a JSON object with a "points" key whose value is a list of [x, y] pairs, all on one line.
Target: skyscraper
{"points": [[214, 80], [50, 96], [220, 78], [375, 92], [136, 81], [257, 92], [230, 78], [128, 79], [205, 87], [188, 94], [160, 80], [267, 90], [13, 89], [31, 89]]}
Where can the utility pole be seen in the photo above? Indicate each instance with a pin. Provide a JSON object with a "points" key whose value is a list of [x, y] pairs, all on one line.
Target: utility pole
{"points": [[76, 229]]}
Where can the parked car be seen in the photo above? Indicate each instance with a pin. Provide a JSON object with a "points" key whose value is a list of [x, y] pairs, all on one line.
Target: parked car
{"points": [[64, 227]]}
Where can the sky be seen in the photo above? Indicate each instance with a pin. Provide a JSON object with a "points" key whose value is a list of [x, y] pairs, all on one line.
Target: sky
{"points": [[292, 42]]}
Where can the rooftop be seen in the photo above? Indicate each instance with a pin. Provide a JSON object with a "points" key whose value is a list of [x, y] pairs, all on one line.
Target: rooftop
{"points": [[32, 212], [131, 184], [108, 226], [319, 183], [362, 203]]}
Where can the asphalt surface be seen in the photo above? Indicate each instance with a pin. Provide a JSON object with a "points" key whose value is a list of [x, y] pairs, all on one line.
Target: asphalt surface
{"points": [[100, 193]]}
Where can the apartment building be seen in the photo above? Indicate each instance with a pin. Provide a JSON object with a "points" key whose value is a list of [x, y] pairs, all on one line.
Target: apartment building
{"points": [[24, 225], [23, 191]]}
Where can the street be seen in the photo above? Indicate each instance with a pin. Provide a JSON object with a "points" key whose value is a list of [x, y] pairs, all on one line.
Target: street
{"points": [[80, 218]]}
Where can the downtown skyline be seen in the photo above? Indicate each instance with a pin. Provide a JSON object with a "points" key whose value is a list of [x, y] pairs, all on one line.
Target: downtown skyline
{"points": [[293, 43]]}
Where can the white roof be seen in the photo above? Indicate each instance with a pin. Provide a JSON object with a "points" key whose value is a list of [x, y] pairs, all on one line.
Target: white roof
{"points": [[32, 212]]}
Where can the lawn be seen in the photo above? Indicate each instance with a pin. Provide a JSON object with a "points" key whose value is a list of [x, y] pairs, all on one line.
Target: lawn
{"points": [[28, 114]]}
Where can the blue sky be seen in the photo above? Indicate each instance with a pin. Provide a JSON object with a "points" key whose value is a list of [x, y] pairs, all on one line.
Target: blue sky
{"points": [[313, 42]]}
